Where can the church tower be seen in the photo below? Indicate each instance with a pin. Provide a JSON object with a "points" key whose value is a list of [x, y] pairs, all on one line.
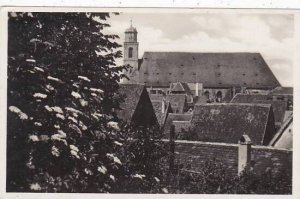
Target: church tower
{"points": [[131, 53]]}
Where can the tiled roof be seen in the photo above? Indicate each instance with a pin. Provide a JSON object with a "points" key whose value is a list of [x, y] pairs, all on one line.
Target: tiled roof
{"points": [[161, 117], [177, 101], [283, 91], [228, 122], [279, 107], [132, 94], [212, 69]]}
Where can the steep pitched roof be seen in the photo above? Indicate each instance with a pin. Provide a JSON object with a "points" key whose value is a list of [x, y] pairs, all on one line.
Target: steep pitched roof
{"points": [[161, 117], [132, 94], [228, 122], [177, 102], [211, 69], [279, 107]]}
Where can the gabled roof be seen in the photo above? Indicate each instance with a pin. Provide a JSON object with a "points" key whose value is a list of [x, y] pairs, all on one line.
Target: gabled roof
{"points": [[212, 69], [177, 101], [181, 87], [132, 94], [161, 117], [228, 122], [279, 107]]}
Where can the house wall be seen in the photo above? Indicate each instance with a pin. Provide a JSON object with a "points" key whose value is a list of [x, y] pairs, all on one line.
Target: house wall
{"points": [[192, 154]]}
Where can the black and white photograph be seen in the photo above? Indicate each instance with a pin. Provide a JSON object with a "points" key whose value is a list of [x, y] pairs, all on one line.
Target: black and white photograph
{"points": [[150, 101]]}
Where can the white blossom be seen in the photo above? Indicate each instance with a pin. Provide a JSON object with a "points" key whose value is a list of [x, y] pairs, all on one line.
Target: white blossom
{"points": [[74, 148], [48, 108], [49, 87], [140, 176], [94, 94], [83, 102], [33, 138], [35, 187], [74, 153], [55, 151], [53, 78], [57, 109], [113, 125], [165, 190], [31, 60], [156, 179], [88, 171], [97, 90], [73, 119], [118, 143], [84, 78], [63, 134], [39, 69], [115, 159], [82, 125], [112, 177], [60, 116], [56, 126], [37, 124], [102, 169], [40, 95], [76, 95], [16, 110]]}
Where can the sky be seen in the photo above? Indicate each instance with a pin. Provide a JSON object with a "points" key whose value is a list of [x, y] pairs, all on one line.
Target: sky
{"points": [[272, 35]]}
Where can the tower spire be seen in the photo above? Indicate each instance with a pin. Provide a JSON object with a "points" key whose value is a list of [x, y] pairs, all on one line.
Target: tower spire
{"points": [[130, 22]]}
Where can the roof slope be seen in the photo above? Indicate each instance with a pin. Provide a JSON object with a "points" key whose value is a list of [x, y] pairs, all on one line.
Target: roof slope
{"points": [[131, 94], [279, 107], [211, 69], [161, 117], [177, 101], [228, 122], [183, 121], [283, 91]]}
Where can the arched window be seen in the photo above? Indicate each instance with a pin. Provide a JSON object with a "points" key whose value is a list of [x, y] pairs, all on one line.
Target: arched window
{"points": [[130, 52], [206, 93], [219, 96]]}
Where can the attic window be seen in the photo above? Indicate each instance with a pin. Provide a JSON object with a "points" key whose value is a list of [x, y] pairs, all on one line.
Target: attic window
{"points": [[244, 74], [145, 73], [182, 73], [181, 65], [256, 74], [219, 74], [218, 65], [257, 83], [145, 82], [220, 83], [245, 83], [157, 73], [194, 73], [157, 82], [193, 58], [170, 73]]}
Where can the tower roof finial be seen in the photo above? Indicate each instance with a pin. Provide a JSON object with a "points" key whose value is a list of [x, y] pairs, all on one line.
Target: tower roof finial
{"points": [[131, 22]]}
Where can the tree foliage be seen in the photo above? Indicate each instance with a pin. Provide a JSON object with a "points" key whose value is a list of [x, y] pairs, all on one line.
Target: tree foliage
{"points": [[62, 87]]}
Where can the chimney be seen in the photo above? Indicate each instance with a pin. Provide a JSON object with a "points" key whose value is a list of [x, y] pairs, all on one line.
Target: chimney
{"points": [[163, 106], [197, 89], [244, 154]]}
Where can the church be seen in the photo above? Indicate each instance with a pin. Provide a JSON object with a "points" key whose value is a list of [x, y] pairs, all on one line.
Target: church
{"points": [[203, 77]]}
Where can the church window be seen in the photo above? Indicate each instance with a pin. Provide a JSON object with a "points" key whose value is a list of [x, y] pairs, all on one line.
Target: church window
{"points": [[206, 93], [130, 52], [219, 96]]}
